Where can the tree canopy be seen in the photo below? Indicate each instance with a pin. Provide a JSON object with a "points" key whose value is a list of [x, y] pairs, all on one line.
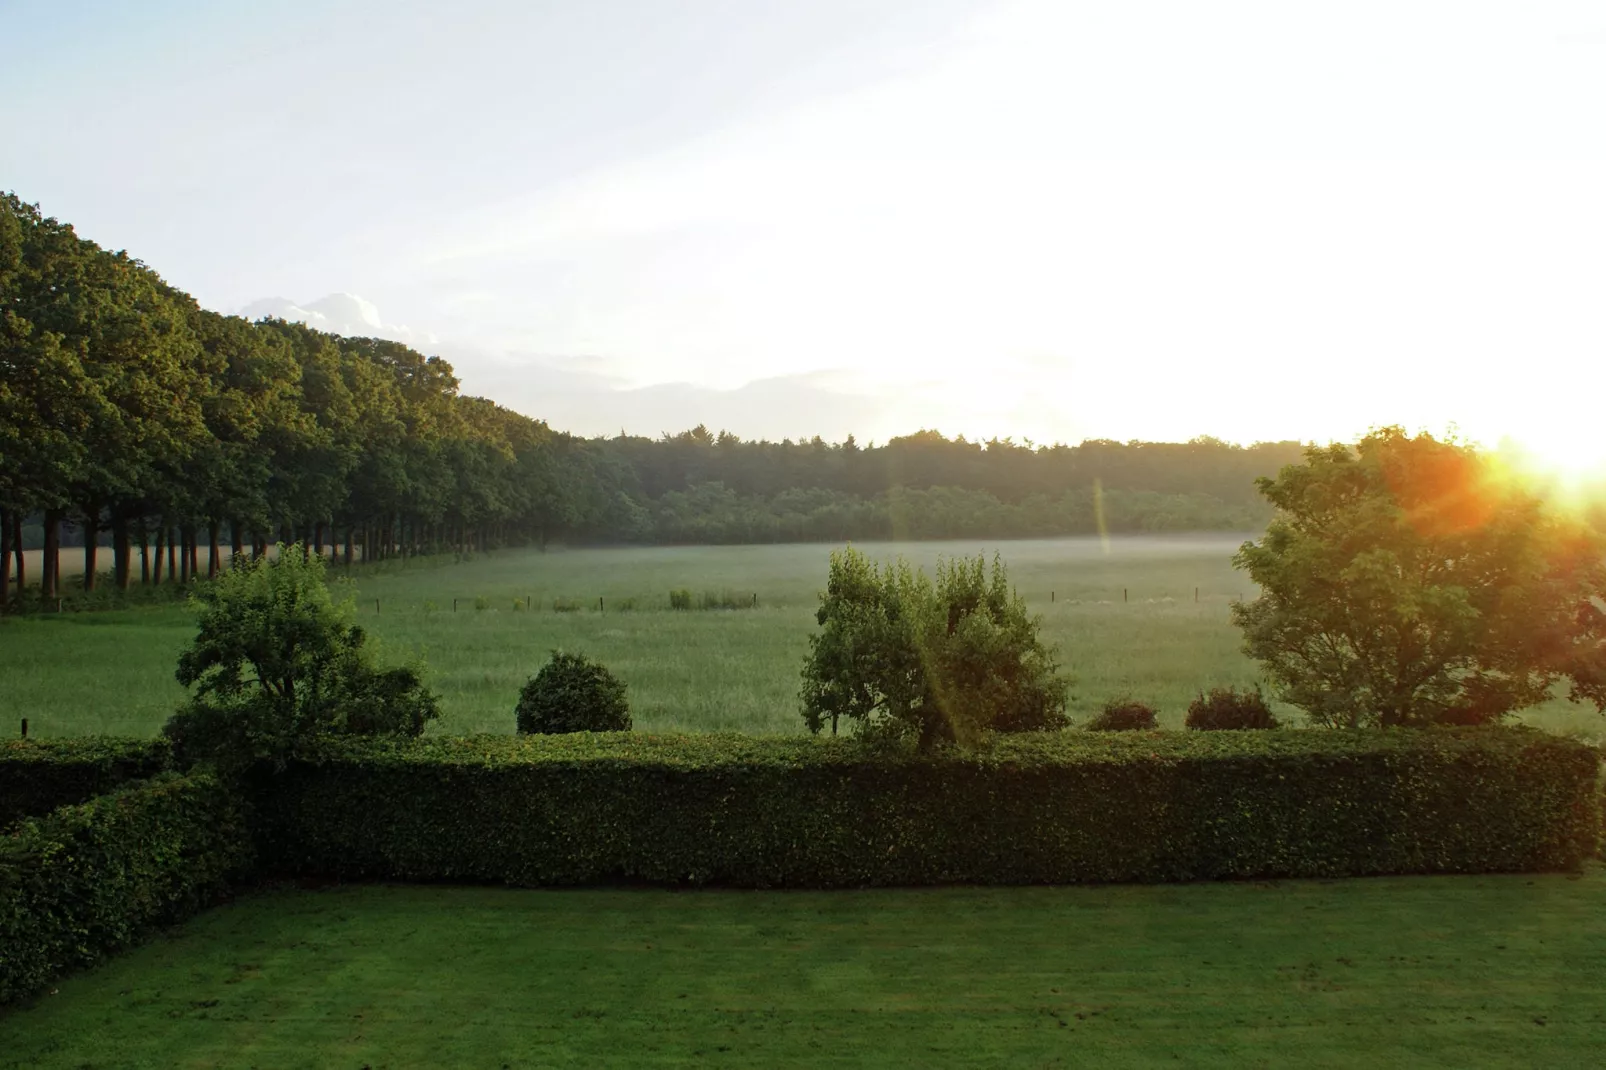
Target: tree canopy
{"points": [[1412, 581]]}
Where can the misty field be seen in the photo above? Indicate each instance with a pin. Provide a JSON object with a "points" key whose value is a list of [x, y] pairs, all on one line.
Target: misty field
{"points": [[1123, 616]]}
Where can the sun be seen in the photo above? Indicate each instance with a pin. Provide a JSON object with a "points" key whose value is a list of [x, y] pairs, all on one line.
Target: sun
{"points": [[1570, 457]]}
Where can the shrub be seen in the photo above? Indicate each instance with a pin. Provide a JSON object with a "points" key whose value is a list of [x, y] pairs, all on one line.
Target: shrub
{"points": [[38, 775], [724, 600], [1060, 808], [680, 599], [91, 879], [481, 602], [1228, 708], [276, 662], [1124, 715], [571, 693], [947, 661], [567, 605]]}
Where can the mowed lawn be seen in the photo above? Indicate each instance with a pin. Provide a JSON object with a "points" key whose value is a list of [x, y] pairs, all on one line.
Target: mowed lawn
{"points": [[1448, 971], [1123, 616]]}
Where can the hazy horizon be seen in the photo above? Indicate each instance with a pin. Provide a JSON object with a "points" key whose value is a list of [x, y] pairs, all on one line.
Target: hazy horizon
{"points": [[995, 218]]}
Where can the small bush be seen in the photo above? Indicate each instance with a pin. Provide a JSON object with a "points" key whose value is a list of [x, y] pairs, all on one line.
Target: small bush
{"points": [[725, 600], [623, 605], [1227, 708], [572, 693], [481, 602], [680, 599], [1124, 715], [567, 605], [518, 605]]}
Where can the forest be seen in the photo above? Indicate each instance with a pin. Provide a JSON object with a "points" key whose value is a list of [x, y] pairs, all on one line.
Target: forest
{"points": [[138, 425]]}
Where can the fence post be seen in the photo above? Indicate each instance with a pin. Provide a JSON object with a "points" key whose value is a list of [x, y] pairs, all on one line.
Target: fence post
{"points": [[755, 599], [1051, 596], [1196, 594], [376, 607], [599, 603], [1123, 594], [25, 728], [454, 605]]}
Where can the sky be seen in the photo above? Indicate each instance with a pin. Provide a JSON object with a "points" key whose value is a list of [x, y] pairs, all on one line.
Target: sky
{"points": [[1041, 219]]}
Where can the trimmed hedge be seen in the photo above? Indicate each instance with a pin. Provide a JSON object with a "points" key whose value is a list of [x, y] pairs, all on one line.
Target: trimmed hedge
{"points": [[91, 879], [36, 776], [1052, 809]]}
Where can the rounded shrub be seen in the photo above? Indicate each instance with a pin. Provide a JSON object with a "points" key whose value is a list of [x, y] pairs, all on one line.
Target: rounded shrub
{"points": [[1124, 715], [1227, 708], [572, 693]]}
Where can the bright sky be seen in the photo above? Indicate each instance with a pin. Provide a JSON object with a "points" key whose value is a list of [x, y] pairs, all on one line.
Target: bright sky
{"points": [[1037, 218]]}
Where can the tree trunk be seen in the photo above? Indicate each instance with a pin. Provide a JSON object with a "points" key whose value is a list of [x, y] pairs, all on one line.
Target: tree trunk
{"points": [[16, 541], [190, 543], [181, 539], [122, 558], [349, 536], [236, 542], [213, 550], [161, 543], [144, 555], [50, 570], [5, 557], [91, 544], [172, 555]]}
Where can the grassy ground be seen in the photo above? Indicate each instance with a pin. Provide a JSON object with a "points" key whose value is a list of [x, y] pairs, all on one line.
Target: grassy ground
{"points": [[698, 671], [1452, 972]]}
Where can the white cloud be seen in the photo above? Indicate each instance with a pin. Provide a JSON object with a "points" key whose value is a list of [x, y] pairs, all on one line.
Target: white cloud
{"points": [[338, 313]]}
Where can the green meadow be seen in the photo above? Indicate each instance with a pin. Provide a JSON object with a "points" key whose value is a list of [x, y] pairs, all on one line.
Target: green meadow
{"points": [[1422, 972], [1123, 615]]}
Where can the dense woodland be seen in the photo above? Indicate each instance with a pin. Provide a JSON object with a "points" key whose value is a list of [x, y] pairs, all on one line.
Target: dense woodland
{"points": [[154, 428]]}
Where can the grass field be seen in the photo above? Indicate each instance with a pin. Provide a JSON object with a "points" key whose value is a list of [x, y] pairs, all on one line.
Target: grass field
{"points": [[1447, 971], [687, 671]]}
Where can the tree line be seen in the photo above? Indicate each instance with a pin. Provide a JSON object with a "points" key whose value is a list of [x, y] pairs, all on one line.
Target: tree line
{"points": [[159, 428]]}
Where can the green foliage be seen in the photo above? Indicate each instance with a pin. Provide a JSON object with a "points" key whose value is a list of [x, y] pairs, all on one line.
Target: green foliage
{"points": [[571, 693], [1054, 809], [943, 662], [1412, 582], [1226, 708], [680, 598], [38, 775], [567, 605], [1124, 715], [91, 879], [725, 599], [276, 662], [481, 602]]}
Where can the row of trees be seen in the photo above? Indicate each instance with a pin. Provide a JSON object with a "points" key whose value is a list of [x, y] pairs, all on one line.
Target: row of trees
{"points": [[159, 428], [1404, 582], [130, 409]]}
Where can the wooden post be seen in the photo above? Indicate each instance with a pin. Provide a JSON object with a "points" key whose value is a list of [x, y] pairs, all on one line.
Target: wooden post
{"points": [[1196, 594], [1123, 594], [599, 603], [755, 599], [1051, 597], [25, 728], [376, 607], [454, 605]]}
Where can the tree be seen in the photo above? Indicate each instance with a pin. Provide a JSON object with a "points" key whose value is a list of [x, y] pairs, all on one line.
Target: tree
{"points": [[1411, 581], [276, 662], [572, 693], [944, 662]]}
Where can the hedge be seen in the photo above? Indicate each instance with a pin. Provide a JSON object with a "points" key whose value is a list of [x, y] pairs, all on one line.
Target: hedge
{"points": [[36, 776], [90, 879], [1073, 807]]}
